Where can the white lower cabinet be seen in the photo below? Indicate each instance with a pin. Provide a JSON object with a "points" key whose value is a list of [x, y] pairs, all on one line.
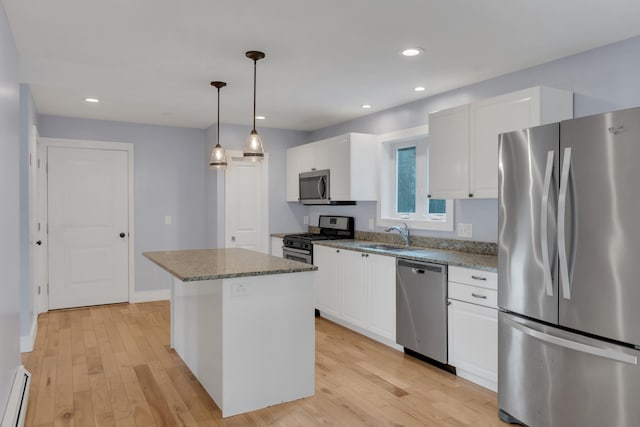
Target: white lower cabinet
{"points": [[358, 291], [276, 246], [473, 325]]}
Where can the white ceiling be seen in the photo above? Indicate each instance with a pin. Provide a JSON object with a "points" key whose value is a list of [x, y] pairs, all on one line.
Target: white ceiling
{"points": [[151, 61]]}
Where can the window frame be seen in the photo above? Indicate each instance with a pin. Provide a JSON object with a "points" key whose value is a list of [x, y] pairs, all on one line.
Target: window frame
{"points": [[388, 144]]}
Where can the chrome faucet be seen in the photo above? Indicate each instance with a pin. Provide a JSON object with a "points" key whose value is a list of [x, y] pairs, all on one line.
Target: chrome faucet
{"points": [[404, 233]]}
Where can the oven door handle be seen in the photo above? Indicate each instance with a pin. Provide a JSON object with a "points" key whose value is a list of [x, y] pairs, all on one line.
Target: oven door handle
{"points": [[297, 251]]}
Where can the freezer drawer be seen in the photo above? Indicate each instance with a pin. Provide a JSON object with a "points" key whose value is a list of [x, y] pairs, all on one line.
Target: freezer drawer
{"points": [[550, 377]]}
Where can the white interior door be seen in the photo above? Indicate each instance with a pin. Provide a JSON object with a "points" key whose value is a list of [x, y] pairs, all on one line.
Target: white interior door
{"points": [[41, 259], [246, 203], [88, 226]]}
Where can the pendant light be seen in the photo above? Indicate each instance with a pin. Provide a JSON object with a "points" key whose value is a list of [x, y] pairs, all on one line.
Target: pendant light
{"points": [[253, 148], [218, 157]]}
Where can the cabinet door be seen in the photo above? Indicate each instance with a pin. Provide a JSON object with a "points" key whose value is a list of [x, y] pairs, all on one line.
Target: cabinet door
{"points": [[449, 153], [473, 342], [354, 289], [299, 159], [382, 295], [276, 246], [340, 166], [328, 285], [489, 118]]}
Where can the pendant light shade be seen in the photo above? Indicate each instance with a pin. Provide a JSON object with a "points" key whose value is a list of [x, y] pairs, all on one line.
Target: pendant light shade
{"points": [[218, 160], [253, 148]]}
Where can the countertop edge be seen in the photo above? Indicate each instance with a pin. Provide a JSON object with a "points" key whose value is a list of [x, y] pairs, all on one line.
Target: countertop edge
{"points": [[480, 262]]}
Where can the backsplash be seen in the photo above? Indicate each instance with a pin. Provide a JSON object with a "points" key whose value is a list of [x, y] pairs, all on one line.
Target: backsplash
{"points": [[483, 248]]}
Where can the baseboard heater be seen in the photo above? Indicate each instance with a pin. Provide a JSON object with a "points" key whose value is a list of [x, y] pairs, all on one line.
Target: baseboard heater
{"points": [[17, 404]]}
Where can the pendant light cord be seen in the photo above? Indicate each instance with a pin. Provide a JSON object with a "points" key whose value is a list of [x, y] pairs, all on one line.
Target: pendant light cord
{"points": [[255, 61], [218, 134]]}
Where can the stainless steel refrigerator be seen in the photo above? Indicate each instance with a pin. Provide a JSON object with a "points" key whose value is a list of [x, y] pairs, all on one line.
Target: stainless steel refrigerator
{"points": [[569, 273]]}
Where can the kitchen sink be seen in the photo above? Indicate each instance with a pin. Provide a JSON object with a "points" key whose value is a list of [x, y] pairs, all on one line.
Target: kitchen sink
{"points": [[385, 247]]}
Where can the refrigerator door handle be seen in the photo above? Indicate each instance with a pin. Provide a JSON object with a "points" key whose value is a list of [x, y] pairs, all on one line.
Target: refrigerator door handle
{"points": [[546, 186], [577, 346], [562, 207]]}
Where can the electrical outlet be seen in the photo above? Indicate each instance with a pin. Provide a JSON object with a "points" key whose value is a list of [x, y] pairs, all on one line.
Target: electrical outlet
{"points": [[306, 220], [167, 219], [465, 230], [371, 224], [239, 290]]}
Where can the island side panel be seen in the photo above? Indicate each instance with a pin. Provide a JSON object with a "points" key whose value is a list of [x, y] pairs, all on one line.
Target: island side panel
{"points": [[196, 331], [268, 341]]}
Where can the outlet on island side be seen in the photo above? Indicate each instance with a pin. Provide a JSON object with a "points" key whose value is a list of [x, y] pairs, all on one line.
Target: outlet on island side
{"points": [[305, 220], [465, 230]]}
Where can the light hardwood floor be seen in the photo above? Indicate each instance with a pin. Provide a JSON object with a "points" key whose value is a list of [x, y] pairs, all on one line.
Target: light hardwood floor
{"points": [[112, 366]]}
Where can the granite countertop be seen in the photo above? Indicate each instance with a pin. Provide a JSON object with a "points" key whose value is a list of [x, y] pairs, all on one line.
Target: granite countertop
{"points": [[440, 256], [280, 235], [211, 264]]}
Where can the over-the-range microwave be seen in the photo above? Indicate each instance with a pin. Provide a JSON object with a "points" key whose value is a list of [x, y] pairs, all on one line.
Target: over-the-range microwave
{"points": [[315, 189]]}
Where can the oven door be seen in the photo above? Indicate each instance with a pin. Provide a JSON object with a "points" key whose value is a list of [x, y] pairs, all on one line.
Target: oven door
{"points": [[299, 255]]}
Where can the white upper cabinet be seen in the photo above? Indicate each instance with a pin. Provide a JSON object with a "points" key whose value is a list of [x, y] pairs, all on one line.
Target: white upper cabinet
{"points": [[351, 158], [486, 119], [449, 153]]}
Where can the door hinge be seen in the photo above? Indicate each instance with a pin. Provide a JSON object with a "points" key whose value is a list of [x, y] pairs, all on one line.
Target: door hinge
{"points": [[38, 290], [47, 288], [38, 163], [38, 226], [47, 228]]}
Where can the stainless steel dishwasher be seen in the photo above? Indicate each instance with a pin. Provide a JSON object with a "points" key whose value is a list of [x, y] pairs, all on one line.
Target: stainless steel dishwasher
{"points": [[421, 308]]}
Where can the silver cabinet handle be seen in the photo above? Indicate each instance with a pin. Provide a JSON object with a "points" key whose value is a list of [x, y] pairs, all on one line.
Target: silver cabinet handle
{"points": [[577, 346], [478, 296], [479, 278], [562, 209], [544, 240]]}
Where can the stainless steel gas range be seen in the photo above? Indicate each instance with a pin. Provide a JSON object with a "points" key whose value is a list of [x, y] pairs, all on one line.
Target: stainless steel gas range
{"points": [[299, 247]]}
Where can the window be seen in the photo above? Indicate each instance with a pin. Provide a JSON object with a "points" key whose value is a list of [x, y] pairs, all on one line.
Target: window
{"points": [[404, 184]]}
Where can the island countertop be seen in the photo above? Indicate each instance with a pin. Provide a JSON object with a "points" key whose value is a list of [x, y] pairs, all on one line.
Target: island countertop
{"points": [[212, 264]]}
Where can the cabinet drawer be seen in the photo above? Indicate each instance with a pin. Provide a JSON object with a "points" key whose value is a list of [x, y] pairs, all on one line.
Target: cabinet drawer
{"points": [[473, 294], [469, 276]]}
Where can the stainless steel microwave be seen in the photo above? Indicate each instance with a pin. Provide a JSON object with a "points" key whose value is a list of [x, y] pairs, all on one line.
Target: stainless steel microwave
{"points": [[315, 189]]}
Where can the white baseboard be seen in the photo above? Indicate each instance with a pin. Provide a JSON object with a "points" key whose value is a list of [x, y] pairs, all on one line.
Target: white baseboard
{"points": [[148, 296], [19, 396], [27, 341]]}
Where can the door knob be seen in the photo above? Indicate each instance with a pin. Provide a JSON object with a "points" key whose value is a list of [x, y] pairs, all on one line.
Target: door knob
{"points": [[122, 235], [39, 242]]}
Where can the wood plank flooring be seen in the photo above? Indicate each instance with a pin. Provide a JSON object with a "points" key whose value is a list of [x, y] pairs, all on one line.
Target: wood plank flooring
{"points": [[112, 366]]}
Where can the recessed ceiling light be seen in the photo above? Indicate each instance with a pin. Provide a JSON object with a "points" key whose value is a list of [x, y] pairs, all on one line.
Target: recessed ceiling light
{"points": [[94, 100], [412, 51], [365, 106], [261, 117], [419, 88]]}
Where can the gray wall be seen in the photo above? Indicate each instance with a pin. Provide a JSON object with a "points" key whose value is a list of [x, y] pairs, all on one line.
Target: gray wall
{"points": [[169, 179], [9, 211], [283, 216], [27, 119], [602, 79]]}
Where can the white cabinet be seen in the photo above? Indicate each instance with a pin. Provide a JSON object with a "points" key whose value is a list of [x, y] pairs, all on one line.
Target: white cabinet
{"points": [[354, 287], [357, 290], [328, 280], [351, 158], [473, 325], [276, 246], [448, 178], [449, 153]]}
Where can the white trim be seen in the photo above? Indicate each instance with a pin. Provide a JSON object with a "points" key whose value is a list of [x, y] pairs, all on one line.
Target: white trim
{"points": [[27, 341], [16, 409], [148, 296], [386, 143], [103, 145]]}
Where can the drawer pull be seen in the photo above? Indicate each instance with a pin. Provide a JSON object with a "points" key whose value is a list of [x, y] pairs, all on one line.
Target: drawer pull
{"points": [[479, 296], [479, 278]]}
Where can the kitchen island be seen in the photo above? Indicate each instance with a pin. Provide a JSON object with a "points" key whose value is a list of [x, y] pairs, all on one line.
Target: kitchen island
{"points": [[243, 322]]}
